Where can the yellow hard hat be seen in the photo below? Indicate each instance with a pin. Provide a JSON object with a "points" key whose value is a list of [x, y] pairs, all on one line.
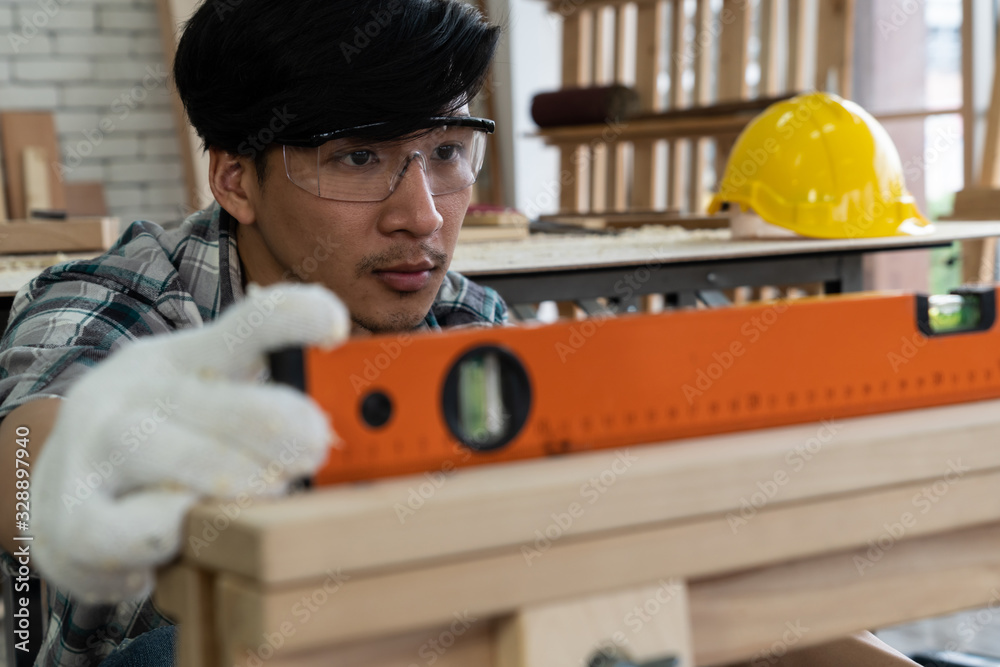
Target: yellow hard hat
{"points": [[820, 166]]}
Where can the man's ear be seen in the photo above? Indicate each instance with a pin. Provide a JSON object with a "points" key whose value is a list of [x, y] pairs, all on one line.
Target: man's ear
{"points": [[233, 180]]}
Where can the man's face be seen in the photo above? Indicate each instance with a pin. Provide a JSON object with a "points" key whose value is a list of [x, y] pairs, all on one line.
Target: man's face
{"points": [[385, 260]]}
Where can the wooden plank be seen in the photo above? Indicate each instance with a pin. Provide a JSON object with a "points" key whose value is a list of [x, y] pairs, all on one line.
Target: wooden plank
{"points": [[172, 14], [651, 128], [3, 194], [976, 203], [572, 183], [462, 639], [646, 172], [678, 98], [678, 47], [500, 582], [575, 51], [798, 42], [186, 595], [647, 623], [63, 236], [670, 217], [989, 174], [604, 46], [37, 179], [18, 130], [604, 54], [834, 47], [769, 36], [623, 72], [978, 51], [978, 261], [547, 254], [734, 40], [85, 198], [701, 49], [473, 647], [744, 615], [600, 178], [667, 482]]}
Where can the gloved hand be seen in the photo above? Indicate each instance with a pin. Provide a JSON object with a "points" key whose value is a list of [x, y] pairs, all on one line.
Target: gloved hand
{"points": [[171, 419]]}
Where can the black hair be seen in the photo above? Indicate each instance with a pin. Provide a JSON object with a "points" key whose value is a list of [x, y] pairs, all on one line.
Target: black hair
{"points": [[250, 72]]}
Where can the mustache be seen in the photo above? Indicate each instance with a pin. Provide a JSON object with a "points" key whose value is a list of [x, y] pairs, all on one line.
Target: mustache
{"points": [[397, 255]]}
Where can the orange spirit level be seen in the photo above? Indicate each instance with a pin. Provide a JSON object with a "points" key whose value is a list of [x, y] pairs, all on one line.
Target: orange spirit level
{"points": [[435, 401]]}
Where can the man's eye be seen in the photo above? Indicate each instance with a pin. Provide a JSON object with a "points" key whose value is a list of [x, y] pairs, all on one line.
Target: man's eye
{"points": [[447, 152], [358, 158]]}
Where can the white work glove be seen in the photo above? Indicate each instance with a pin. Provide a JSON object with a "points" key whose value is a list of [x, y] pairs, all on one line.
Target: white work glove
{"points": [[168, 420]]}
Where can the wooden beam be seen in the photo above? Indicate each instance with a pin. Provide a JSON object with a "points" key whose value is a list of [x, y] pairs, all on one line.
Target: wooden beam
{"points": [[678, 99], [702, 62], [37, 179], [502, 581], [798, 42], [789, 605], [572, 632], [646, 172], [835, 46], [674, 481], [172, 14], [186, 595], [769, 37], [734, 42]]}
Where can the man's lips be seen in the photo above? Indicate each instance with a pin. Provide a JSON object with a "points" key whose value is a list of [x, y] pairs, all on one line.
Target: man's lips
{"points": [[406, 277]]}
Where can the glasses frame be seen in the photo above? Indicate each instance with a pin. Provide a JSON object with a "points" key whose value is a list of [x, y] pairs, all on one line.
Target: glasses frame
{"points": [[317, 140]]}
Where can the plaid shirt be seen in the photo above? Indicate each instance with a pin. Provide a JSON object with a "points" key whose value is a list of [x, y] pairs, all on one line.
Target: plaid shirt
{"points": [[152, 281]]}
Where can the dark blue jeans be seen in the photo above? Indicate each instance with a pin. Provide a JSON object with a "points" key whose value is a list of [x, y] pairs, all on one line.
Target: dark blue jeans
{"points": [[150, 649]]}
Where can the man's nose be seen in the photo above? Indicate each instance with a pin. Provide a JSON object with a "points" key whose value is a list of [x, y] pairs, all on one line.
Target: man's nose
{"points": [[411, 206]]}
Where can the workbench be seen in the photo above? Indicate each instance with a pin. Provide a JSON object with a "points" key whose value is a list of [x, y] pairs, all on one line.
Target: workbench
{"points": [[716, 549], [685, 266]]}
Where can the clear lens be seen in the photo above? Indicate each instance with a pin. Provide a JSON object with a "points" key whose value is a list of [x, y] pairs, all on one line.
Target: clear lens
{"points": [[351, 169]]}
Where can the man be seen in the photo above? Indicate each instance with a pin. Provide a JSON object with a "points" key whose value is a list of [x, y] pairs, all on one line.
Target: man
{"points": [[341, 154]]}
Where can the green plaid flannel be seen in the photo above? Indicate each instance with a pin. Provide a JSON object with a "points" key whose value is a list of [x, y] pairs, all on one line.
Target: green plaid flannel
{"points": [[153, 281]]}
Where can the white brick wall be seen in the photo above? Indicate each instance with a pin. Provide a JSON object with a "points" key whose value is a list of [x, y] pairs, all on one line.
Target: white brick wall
{"points": [[98, 64]]}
